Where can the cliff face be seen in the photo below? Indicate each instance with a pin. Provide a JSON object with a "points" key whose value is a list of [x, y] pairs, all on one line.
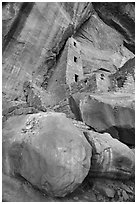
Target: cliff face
{"points": [[102, 46], [33, 35], [75, 58], [120, 16]]}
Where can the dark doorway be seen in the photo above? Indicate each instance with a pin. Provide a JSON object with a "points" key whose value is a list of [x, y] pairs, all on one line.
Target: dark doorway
{"points": [[75, 59], [75, 44], [76, 78]]}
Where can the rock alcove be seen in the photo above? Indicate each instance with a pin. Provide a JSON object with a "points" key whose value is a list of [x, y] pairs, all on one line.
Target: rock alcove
{"points": [[68, 101]]}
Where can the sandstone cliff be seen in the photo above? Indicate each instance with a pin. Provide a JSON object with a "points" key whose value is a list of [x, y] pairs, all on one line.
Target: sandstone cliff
{"points": [[76, 58]]}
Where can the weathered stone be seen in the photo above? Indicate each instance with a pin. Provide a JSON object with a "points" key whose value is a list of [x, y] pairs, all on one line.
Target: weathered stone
{"points": [[111, 112], [109, 192], [125, 195], [47, 150], [121, 16], [18, 190], [88, 84], [68, 70], [126, 188], [99, 197], [120, 78], [119, 192], [39, 34], [111, 158], [10, 12], [102, 46], [34, 42], [104, 190]]}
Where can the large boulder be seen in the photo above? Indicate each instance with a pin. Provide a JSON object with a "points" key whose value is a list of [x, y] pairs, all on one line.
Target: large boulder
{"points": [[47, 150], [111, 158], [111, 112]]}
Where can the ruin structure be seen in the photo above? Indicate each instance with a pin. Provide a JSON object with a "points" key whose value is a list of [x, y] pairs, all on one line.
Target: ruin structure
{"points": [[68, 71]]}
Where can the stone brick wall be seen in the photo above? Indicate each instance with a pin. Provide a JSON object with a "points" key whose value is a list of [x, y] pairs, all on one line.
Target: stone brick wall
{"points": [[74, 71], [119, 78], [103, 81], [33, 35], [85, 85], [68, 71]]}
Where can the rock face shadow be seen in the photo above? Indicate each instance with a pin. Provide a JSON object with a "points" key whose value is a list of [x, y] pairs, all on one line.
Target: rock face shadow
{"points": [[123, 134]]}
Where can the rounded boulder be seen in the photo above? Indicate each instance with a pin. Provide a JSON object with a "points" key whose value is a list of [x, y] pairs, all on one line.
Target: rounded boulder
{"points": [[48, 151]]}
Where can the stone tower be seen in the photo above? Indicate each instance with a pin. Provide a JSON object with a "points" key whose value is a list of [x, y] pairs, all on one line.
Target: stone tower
{"points": [[68, 71], [74, 70]]}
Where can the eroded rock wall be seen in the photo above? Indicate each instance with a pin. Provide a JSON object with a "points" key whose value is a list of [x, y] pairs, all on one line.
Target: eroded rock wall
{"points": [[34, 43], [39, 35], [102, 46], [120, 16]]}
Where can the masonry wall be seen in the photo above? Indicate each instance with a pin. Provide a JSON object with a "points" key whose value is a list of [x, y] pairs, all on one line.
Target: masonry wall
{"points": [[68, 71], [103, 81], [85, 85], [74, 71], [118, 79]]}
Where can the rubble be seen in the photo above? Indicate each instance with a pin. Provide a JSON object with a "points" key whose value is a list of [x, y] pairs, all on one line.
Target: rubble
{"points": [[104, 190]]}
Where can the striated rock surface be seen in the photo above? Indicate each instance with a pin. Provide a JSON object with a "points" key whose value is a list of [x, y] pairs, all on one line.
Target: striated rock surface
{"points": [[102, 46], [121, 16], [111, 158], [39, 34], [47, 150]]}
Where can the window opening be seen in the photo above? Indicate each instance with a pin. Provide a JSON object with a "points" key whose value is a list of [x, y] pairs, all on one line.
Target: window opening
{"points": [[102, 77], [75, 44], [76, 78], [120, 81], [75, 59]]}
